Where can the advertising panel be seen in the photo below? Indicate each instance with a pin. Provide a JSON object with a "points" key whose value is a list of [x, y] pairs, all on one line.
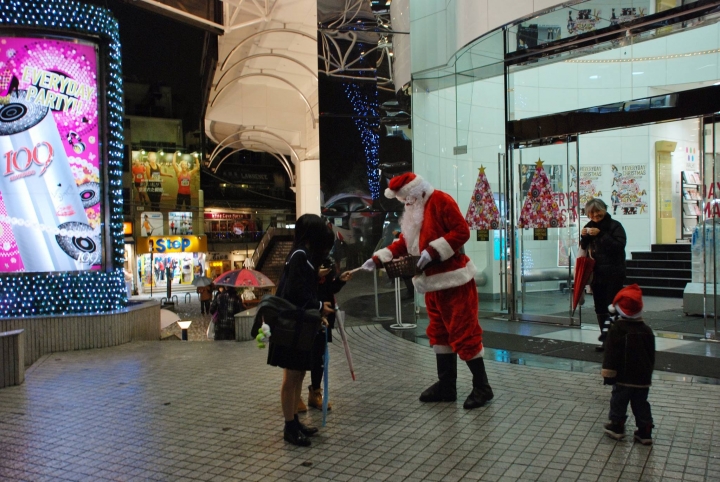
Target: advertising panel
{"points": [[165, 179], [180, 222], [151, 224], [50, 188]]}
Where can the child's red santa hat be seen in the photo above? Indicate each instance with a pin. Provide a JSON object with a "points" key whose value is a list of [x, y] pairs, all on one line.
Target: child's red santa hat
{"points": [[402, 185], [628, 302]]}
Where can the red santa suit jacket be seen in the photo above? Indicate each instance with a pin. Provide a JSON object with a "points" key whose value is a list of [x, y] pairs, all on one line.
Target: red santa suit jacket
{"points": [[443, 232]]}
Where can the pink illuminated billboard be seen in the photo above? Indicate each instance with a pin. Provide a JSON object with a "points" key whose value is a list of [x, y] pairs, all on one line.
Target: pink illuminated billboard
{"points": [[50, 187]]}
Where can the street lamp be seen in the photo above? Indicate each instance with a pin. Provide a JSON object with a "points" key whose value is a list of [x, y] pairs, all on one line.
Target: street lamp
{"points": [[184, 325]]}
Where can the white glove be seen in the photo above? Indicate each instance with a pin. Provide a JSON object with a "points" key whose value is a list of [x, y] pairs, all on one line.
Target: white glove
{"points": [[425, 258], [368, 265]]}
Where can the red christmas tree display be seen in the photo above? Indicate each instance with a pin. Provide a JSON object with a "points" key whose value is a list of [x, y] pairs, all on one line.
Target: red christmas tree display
{"points": [[482, 212], [540, 210]]}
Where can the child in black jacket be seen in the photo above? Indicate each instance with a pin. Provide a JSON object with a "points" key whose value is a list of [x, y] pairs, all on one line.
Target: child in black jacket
{"points": [[628, 365]]}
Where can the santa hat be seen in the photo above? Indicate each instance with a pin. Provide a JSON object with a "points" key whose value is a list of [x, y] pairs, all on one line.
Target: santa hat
{"points": [[628, 302], [400, 186]]}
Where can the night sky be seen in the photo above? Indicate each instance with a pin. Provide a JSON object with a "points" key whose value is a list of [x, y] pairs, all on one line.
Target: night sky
{"points": [[157, 49]]}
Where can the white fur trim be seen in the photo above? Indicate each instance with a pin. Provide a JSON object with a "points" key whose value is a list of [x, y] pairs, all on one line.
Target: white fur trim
{"points": [[443, 248], [620, 312], [442, 281], [384, 255], [480, 354], [389, 193], [442, 349], [405, 190]]}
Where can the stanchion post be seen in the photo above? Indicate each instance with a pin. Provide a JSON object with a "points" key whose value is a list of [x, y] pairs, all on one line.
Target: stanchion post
{"points": [[398, 310], [377, 309]]}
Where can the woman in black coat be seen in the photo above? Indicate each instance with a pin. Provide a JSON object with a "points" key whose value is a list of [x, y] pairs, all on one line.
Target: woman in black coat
{"points": [[605, 240], [330, 283], [299, 285], [224, 308]]}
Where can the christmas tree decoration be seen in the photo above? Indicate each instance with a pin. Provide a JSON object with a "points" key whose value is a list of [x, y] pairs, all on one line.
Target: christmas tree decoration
{"points": [[540, 209], [482, 212]]}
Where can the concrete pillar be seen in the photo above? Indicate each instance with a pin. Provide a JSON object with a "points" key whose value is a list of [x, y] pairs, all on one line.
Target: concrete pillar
{"points": [[307, 192]]}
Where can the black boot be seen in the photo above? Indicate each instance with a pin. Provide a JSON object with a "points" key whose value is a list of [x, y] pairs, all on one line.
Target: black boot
{"points": [[482, 392], [444, 389], [307, 431], [294, 435], [601, 319]]}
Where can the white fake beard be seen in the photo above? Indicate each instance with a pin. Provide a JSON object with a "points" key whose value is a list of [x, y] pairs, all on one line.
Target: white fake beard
{"points": [[410, 224]]}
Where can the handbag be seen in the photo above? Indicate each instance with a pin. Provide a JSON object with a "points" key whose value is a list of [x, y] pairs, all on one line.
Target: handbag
{"points": [[296, 329], [211, 330], [290, 326]]}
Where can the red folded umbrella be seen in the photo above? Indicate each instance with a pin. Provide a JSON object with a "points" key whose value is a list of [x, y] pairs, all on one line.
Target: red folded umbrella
{"points": [[583, 269], [243, 277]]}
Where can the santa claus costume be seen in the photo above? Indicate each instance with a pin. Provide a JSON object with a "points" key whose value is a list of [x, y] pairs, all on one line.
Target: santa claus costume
{"points": [[434, 229]]}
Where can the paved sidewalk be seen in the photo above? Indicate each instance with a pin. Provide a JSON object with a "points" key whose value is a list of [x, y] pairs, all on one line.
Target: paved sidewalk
{"points": [[182, 411]]}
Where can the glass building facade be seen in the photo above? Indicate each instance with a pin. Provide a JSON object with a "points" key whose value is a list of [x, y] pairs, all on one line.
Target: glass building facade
{"points": [[618, 100]]}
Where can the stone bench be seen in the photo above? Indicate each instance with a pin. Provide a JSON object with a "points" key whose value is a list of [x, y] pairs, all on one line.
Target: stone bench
{"points": [[243, 324], [12, 358]]}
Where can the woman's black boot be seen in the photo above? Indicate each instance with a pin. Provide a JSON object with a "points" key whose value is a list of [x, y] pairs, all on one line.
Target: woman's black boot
{"points": [[307, 431], [293, 434], [601, 319]]}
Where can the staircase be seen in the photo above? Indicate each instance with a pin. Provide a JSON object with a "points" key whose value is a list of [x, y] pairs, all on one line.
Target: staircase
{"points": [[270, 254], [663, 271]]}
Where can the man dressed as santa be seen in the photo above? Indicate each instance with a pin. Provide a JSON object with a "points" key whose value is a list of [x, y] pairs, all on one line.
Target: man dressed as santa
{"points": [[434, 229]]}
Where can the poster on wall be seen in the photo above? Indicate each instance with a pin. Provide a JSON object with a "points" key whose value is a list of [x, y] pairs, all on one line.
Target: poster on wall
{"points": [[165, 179], [50, 191], [629, 189], [530, 36], [590, 177], [180, 223], [151, 224], [626, 14], [585, 20]]}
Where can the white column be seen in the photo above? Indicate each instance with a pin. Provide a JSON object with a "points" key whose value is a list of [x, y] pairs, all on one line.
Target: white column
{"points": [[307, 192]]}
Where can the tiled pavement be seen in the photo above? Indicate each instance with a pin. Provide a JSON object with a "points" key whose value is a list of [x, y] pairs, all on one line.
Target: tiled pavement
{"points": [[182, 411]]}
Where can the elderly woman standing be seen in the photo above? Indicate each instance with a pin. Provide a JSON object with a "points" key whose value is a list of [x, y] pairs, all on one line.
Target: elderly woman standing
{"points": [[605, 240]]}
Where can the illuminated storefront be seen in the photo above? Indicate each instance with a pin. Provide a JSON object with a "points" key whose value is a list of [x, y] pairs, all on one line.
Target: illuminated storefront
{"points": [[179, 258]]}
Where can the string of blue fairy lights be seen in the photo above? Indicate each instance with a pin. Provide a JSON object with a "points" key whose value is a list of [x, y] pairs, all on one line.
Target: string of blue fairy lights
{"points": [[367, 120]]}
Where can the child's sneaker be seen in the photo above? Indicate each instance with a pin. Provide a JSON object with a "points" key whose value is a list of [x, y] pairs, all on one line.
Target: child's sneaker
{"points": [[615, 430], [644, 436]]}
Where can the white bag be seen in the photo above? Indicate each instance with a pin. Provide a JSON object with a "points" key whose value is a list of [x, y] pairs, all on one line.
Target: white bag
{"points": [[211, 331]]}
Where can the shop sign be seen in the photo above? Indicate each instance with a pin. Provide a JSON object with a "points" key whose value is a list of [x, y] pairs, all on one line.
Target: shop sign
{"points": [[227, 216], [172, 244], [127, 229], [540, 234]]}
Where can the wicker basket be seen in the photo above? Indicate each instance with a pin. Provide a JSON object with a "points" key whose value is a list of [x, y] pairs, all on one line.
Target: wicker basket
{"points": [[402, 267]]}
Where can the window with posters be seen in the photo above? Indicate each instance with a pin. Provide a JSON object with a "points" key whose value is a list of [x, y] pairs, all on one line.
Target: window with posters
{"points": [[50, 207]]}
